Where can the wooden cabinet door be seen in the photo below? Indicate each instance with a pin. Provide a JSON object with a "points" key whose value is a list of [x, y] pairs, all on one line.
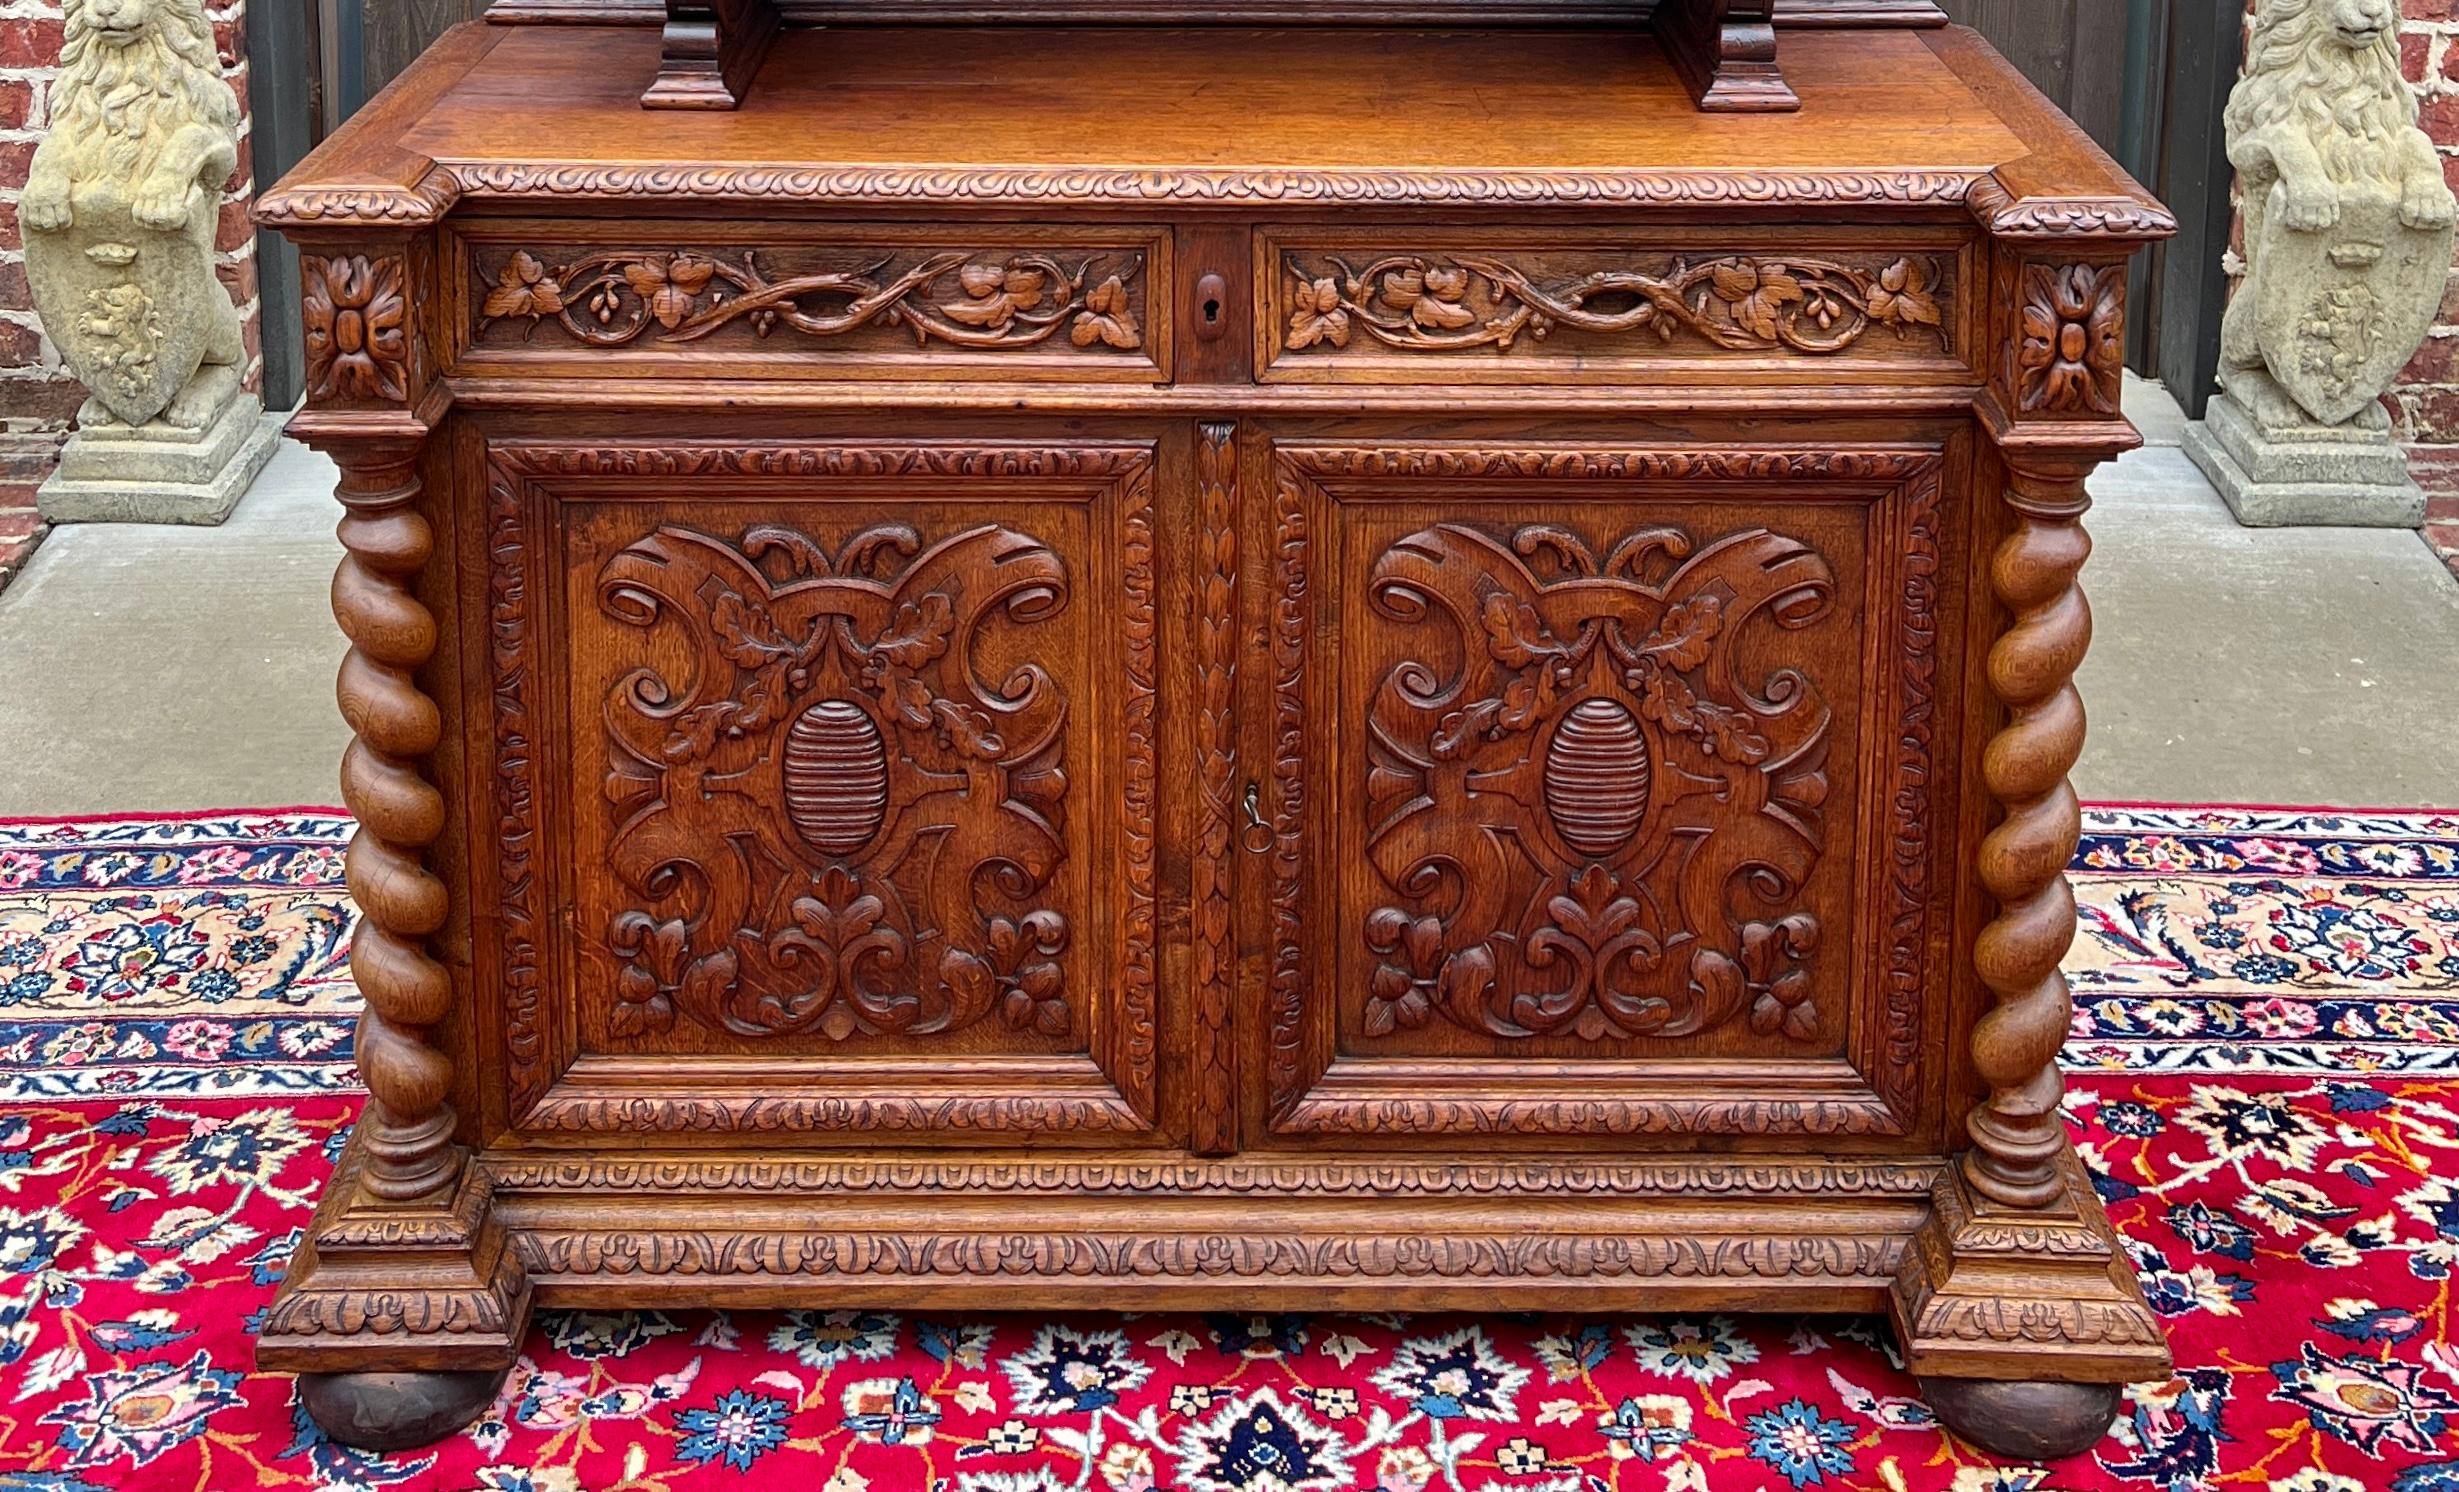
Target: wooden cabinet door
{"points": [[825, 782], [1604, 792]]}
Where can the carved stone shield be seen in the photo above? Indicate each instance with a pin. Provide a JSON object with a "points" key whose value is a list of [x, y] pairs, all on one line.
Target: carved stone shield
{"points": [[2339, 312], [119, 302]]}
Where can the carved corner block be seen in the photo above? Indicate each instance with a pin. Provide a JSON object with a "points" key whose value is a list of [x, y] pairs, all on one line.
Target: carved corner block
{"points": [[1999, 1293], [431, 1287]]}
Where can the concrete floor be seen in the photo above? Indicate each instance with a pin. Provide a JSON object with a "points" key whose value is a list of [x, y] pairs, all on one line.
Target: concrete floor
{"points": [[156, 668]]}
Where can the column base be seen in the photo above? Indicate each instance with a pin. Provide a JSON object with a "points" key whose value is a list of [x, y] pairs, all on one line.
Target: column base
{"points": [[2024, 1324], [395, 1314]]}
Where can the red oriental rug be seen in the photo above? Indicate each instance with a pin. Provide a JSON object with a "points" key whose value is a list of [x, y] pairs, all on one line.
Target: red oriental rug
{"points": [[2267, 1056]]}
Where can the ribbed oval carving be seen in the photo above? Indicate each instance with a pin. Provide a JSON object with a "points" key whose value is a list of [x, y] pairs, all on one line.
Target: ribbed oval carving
{"points": [[1596, 777], [836, 777]]}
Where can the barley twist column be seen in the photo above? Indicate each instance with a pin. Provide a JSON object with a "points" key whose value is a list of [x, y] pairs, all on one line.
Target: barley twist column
{"points": [[2018, 1137], [406, 1134]]}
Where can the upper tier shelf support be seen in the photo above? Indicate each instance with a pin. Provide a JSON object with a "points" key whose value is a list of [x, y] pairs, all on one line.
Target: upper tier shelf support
{"points": [[713, 47], [1725, 50]]}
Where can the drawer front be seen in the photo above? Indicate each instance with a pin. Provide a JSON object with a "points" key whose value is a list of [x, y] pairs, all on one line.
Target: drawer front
{"points": [[1618, 810], [839, 760], [839, 301], [1409, 305]]}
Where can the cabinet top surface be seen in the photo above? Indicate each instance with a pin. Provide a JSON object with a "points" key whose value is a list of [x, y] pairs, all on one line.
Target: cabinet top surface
{"points": [[1150, 115]]}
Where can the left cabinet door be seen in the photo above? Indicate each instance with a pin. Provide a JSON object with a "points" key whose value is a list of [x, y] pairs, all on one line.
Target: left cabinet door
{"points": [[822, 788]]}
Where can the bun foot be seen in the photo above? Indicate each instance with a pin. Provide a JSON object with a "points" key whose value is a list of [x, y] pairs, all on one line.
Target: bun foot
{"points": [[396, 1411], [2030, 1422]]}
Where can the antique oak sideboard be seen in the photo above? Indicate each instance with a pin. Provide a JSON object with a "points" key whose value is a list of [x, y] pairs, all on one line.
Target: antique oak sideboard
{"points": [[1178, 665]]}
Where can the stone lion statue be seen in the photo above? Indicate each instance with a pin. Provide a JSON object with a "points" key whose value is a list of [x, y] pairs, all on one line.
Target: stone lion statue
{"points": [[2344, 197], [120, 208]]}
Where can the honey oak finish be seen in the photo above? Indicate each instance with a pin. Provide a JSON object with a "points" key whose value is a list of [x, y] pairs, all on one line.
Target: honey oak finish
{"points": [[1130, 686]]}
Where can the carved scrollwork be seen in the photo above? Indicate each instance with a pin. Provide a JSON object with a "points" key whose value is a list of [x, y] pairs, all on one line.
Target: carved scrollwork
{"points": [[1454, 303], [958, 299], [1600, 732], [902, 890]]}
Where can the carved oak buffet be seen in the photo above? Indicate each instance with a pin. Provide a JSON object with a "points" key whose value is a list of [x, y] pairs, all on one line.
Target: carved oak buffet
{"points": [[1238, 668]]}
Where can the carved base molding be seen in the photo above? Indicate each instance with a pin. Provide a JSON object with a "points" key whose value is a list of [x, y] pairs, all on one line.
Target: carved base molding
{"points": [[399, 1287], [2005, 1293], [1261, 1251]]}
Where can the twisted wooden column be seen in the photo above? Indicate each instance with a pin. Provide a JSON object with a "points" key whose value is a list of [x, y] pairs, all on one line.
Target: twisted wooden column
{"points": [[2017, 1134], [406, 1134]]}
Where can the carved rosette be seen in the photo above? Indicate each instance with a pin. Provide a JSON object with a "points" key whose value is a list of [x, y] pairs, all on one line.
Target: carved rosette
{"points": [[357, 317], [2070, 360], [902, 889], [1600, 731]]}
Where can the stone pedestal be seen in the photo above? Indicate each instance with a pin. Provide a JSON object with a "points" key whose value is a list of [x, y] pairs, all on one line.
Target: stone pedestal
{"points": [[159, 472], [2304, 474]]}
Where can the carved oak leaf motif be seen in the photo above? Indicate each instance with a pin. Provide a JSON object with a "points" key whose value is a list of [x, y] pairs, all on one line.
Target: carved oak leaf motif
{"points": [[1430, 295], [1319, 317], [1770, 976], [524, 288], [995, 293], [670, 287], [1903, 299], [1108, 318], [658, 970], [1756, 292], [1019, 971]]}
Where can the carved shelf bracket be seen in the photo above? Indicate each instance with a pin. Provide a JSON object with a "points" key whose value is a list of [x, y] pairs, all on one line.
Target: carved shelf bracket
{"points": [[1725, 51], [713, 48]]}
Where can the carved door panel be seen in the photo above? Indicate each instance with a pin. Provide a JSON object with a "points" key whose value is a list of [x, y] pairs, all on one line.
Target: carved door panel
{"points": [[1602, 792], [854, 747]]}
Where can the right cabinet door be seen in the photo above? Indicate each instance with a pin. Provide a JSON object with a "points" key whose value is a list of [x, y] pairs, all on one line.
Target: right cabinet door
{"points": [[1610, 792]]}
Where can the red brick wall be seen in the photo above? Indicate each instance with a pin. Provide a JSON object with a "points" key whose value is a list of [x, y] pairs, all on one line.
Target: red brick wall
{"points": [[2425, 400], [38, 400]]}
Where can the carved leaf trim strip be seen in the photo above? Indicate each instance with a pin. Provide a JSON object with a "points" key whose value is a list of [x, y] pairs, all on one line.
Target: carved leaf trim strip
{"points": [[1844, 1179], [1217, 768], [1079, 1256], [1041, 186], [1908, 953], [516, 792]]}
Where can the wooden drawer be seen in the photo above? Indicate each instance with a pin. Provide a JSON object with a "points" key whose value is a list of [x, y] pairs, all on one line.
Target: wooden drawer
{"points": [[1418, 305], [702, 300]]}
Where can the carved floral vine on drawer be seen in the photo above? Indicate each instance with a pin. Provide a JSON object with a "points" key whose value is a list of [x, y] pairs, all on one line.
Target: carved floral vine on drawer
{"points": [[1425, 303], [1597, 702], [963, 300]]}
